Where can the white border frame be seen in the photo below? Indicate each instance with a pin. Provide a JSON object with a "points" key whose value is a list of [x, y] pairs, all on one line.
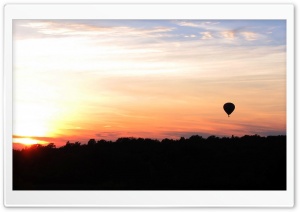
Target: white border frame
{"points": [[147, 198]]}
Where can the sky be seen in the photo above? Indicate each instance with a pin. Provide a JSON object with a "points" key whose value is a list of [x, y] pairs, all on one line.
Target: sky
{"points": [[74, 80]]}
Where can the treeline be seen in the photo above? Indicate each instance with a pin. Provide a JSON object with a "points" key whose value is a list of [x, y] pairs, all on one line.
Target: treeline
{"points": [[250, 162]]}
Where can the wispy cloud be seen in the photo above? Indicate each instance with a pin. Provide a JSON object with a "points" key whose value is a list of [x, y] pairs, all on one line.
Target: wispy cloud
{"points": [[228, 34], [206, 35], [38, 138], [250, 36], [190, 36], [206, 25], [61, 28], [214, 30]]}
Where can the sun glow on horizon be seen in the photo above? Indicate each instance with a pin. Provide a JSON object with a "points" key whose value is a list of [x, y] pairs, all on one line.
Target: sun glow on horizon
{"points": [[28, 141]]}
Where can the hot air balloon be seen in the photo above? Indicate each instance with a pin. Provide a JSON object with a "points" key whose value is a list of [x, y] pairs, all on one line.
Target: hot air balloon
{"points": [[229, 108]]}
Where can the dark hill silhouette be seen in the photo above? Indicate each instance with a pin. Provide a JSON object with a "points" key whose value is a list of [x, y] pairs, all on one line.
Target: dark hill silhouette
{"points": [[250, 162]]}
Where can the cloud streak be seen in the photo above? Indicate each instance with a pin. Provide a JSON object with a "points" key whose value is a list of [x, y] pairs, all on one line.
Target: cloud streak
{"points": [[215, 30], [206, 25], [68, 29], [38, 138]]}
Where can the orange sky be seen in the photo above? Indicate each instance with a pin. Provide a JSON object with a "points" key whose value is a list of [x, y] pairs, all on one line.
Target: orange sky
{"points": [[75, 80]]}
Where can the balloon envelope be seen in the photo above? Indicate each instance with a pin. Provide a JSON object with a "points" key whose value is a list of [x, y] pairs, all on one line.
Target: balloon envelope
{"points": [[229, 108]]}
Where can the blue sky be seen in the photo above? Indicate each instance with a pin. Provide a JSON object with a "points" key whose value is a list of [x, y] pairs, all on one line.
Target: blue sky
{"points": [[273, 31]]}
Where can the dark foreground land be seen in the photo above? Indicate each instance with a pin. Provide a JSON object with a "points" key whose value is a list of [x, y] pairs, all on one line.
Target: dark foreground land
{"points": [[237, 163]]}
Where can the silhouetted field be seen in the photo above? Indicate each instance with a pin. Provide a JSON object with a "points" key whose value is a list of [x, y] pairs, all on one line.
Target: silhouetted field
{"points": [[236, 163]]}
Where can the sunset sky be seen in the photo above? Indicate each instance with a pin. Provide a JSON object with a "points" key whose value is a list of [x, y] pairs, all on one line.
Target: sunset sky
{"points": [[79, 79]]}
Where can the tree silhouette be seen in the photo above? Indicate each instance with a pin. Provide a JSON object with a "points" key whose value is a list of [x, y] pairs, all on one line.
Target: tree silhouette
{"points": [[250, 162], [92, 142]]}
